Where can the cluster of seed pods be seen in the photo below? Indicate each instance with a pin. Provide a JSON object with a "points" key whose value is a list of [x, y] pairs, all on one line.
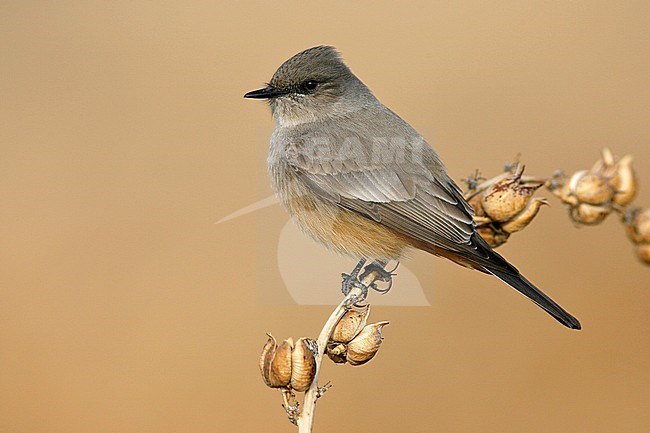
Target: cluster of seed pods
{"points": [[591, 195], [292, 366], [505, 206], [353, 341], [609, 186], [288, 365]]}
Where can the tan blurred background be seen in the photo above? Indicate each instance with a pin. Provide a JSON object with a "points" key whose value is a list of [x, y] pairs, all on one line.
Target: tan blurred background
{"points": [[124, 137]]}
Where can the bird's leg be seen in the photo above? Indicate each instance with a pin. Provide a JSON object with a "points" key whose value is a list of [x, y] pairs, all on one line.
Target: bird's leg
{"points": [[351, 280], [379, 266]]}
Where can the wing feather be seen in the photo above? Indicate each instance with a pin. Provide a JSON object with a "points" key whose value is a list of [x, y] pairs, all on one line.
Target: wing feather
{"points": [[414, 197], [430, 212]]}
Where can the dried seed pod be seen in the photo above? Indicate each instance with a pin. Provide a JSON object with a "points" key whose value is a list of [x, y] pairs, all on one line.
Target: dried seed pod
{"points": [[492, 236], [280, 372], [524, 217], [365, 345], [639, 228], [642, 225], [337, 352], [643, 253], [350, 325], [266, 357], [303, 365], [605, 165], [590, 187], [589, 214], [624, 181], [475, 203], [506, 198]]}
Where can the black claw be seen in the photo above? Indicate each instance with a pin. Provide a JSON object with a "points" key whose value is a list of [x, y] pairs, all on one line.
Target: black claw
{"points": [[386, 290], [394, 269]]}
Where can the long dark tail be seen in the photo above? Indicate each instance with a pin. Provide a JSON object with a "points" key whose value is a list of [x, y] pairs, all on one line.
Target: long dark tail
{"points": [[481, 257], [522, 285]]}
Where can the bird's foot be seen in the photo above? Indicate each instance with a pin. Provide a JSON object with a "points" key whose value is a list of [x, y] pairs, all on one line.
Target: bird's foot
{"points": [[354, 280], [384, 275]]}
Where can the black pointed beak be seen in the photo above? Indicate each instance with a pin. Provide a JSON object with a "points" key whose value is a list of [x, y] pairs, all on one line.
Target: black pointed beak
{"points": [[266, 93]]}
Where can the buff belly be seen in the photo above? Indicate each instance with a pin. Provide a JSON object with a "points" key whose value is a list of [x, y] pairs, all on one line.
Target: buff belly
{"points": [[344, 231], [339, 229]]}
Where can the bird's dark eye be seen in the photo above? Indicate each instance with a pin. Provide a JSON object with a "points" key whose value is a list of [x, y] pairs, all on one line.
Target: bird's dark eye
{"points": [[310, 85]]}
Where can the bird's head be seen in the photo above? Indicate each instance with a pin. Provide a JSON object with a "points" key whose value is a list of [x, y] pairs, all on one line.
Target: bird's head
{"points": [[312, 85]]}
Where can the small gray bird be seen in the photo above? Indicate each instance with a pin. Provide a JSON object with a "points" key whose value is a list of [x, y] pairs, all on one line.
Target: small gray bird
{"points": [[363, 182]]}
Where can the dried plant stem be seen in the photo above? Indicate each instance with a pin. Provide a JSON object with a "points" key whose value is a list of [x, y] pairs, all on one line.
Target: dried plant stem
{"points": [[305, 420]]}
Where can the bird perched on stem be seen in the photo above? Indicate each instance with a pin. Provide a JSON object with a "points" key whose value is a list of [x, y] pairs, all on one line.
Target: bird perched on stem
{"points": [[361, 181]]}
